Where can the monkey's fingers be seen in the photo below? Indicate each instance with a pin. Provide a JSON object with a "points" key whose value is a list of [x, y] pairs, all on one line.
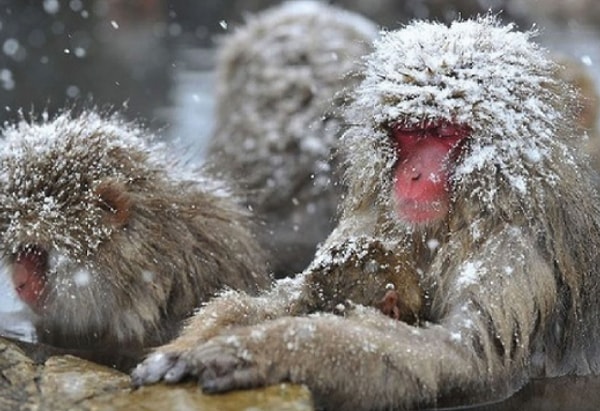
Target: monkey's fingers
{"points": [[225, 367], [156, 367], [177, 372], [238, 379]]}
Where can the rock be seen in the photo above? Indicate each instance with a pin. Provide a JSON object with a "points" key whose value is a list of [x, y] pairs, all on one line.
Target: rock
{"points": [[18, 389], [67, 382], [283, 397]]}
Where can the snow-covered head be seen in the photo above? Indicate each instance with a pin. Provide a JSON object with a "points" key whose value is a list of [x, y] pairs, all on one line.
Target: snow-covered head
{"points": [[279, 77], [57, 175], [473, 72], [486, 81], [65, 188], [94, 224]]}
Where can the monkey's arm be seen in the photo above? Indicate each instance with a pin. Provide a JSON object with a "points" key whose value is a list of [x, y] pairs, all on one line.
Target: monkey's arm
{"points": [[480, 349], [231, 308]]}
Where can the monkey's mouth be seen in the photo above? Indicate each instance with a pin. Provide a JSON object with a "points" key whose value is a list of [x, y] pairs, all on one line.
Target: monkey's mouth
{"points": [[29, 267]]}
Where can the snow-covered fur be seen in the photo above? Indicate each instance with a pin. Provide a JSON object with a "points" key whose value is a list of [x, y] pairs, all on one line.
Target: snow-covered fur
{"points": [[133, 246], [511, 275], [521, 181], [476, 73], [279, 79]]}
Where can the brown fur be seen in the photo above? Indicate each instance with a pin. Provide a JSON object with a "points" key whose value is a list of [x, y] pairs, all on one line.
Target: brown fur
{"points": [[133, 247], [510, 276]]}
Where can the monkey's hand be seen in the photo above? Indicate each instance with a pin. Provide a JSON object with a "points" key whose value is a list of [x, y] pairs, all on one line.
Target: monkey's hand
{"points": [[163, 362], [240, 358], [318, 351], [284, 349], [230, 311], [361, 362]]}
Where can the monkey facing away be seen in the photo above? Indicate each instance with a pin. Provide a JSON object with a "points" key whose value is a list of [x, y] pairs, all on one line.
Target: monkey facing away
{"points": [[280, 82], [106, 244], [460, 148]]}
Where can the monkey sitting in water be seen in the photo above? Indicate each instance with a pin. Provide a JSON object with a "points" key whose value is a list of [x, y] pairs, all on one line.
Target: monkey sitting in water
{"points": [[105, 242], [460, 149]]}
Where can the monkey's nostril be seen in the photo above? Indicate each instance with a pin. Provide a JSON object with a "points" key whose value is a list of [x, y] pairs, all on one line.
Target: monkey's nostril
{"points": [[415, 174]]}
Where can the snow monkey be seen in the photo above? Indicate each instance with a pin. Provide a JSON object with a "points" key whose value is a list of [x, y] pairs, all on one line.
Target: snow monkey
{"points": [[108, 245], [461, 150], [280, 82]]}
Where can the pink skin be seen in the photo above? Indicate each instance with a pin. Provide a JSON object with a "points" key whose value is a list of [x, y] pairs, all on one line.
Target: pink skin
{"points": [[29, 276], [423, 170]]}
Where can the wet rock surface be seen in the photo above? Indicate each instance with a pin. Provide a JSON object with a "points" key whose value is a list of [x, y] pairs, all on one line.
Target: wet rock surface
{"points": [[69, 383], [66, 382]]}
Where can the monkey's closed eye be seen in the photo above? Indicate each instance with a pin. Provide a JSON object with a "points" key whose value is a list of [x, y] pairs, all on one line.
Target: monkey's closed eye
{"points": [[112, 197]]}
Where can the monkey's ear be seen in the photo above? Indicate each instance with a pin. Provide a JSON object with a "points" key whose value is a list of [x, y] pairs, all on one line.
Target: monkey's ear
{"points": [[112, 197]]}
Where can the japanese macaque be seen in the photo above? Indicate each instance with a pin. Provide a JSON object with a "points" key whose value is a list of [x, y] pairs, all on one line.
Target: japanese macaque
{"points": [[280, 82], [461, 149], [106, 244]]}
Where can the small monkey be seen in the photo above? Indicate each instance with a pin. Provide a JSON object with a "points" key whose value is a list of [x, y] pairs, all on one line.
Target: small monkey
{"points": [[362, 271], [107, 240], [281, 78], [461, 150]]}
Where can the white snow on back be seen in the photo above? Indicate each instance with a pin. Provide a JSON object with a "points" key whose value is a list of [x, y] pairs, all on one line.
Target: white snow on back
{"points": [[314, 8], [356, 248], [148, 276], [280, 78], [82, 278]]}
